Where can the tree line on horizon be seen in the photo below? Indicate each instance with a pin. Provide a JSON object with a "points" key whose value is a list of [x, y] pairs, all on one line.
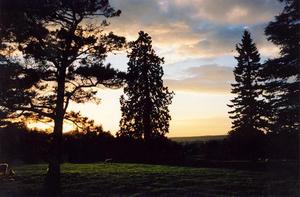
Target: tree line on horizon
{"points": [[63, 57]]}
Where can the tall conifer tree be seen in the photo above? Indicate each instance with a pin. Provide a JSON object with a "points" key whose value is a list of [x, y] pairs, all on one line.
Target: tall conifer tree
{"points": [[247, 117], [282, 73], [144, 106]]}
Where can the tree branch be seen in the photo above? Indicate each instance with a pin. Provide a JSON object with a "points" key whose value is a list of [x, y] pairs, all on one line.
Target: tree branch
{"points": [[74, 91], [74, 122], [30, 109]]}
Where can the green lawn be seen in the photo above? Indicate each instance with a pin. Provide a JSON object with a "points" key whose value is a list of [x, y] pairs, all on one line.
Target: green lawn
{"points": [[151, 180]]}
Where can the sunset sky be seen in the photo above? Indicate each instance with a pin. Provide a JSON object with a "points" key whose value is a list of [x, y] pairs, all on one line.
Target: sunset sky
{"points": [[197, 39]]}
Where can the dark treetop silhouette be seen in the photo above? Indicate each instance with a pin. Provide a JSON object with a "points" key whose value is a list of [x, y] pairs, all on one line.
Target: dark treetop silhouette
{"points": [[247, 105], [248, 114], [63, 53], [282, 90], [145, 103]]}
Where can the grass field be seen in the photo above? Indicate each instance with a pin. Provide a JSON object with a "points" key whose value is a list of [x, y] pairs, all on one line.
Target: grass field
{"points": [[151, 180]]}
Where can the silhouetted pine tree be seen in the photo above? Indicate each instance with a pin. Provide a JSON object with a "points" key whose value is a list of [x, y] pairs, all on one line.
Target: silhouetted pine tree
{"points": [[247, 117], [282, 73], [145, 103], [64, 52]]}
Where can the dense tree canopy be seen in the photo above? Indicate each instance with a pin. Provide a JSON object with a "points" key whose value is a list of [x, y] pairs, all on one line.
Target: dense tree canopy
{"points": [[248, 114], [145, 103], [247, 105], [282, 73], [57, 49]]}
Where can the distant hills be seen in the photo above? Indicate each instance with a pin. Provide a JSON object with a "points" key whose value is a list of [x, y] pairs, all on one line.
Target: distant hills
{"points": [[198, 138]]}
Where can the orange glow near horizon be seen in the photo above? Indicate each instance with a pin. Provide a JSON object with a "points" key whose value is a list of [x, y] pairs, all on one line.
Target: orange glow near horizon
{"points": [[48, 127], [199, 127], [193, 114]]}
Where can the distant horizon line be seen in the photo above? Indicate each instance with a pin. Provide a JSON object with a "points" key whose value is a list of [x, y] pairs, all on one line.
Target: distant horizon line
{"points": [[198, 136]]}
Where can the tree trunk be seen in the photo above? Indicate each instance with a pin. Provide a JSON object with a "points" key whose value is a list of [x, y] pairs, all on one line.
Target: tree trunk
{"points": [[53, 176], [147, 128], [147, 105]]}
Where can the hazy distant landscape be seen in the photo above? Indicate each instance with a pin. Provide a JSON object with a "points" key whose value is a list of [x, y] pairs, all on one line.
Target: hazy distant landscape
{"points": [[198, 138]]}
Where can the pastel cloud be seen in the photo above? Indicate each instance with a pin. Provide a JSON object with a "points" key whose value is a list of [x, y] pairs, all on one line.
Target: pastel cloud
{"points": [[204, 79], [221, 41], [195, 37], [196, 28], [232, 11]]}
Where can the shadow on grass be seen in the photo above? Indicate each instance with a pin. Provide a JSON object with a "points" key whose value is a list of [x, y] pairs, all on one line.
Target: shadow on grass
{"points": [[151, 180]]}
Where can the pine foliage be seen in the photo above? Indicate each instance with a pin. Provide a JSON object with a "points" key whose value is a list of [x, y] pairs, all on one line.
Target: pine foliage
{"points": [[144, 106]]}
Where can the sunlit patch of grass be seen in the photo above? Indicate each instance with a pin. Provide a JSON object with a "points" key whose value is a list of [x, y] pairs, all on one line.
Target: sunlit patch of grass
{"points": [[102, 179]]}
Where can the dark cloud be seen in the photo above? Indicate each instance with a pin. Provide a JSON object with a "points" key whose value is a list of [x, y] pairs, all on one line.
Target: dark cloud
{"points": [[233, 11], [215, 11], [222, 40]]}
